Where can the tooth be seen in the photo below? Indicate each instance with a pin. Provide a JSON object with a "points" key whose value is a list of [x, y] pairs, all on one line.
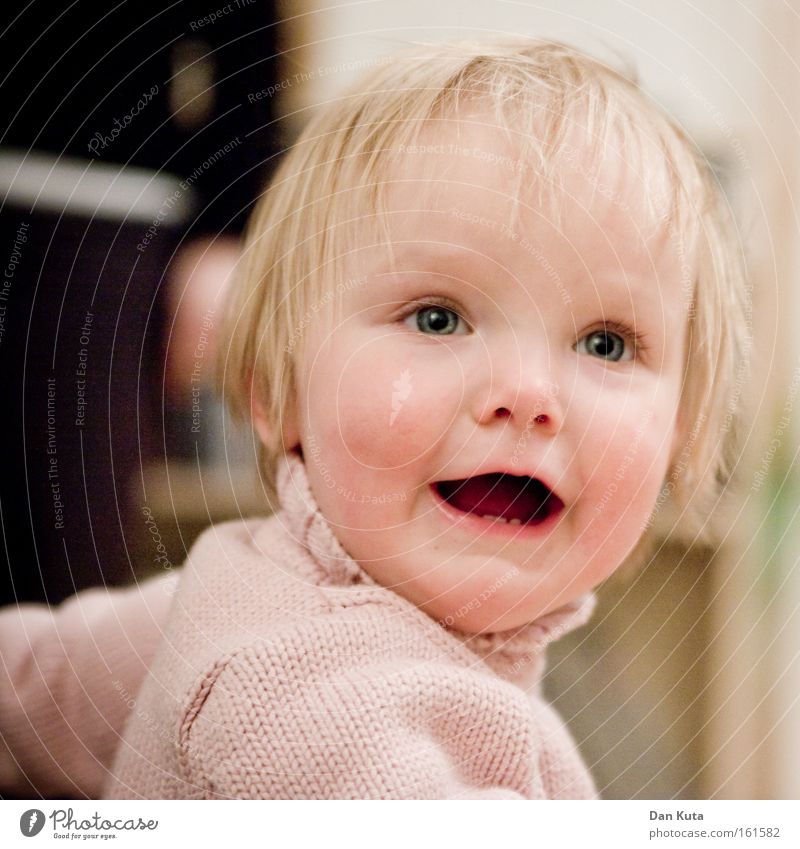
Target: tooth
{"points": [[491, 518], [515, 521]]}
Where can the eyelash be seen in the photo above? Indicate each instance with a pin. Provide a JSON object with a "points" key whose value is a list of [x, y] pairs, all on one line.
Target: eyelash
{"points": [[634, 337], [437, 301]]}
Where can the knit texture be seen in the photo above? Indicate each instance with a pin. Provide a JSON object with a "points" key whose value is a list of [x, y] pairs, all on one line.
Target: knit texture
{"points": [[287, 672]]}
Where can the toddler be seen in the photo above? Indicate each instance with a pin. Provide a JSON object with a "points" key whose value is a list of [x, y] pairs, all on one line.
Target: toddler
{"points": [[488, 301]]}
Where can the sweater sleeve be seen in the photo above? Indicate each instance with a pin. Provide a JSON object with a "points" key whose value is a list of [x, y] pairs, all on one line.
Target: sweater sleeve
{"points": [[322, 717], [68, 677]]}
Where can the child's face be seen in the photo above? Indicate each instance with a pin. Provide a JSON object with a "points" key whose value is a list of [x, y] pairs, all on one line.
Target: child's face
{"points": [[521, 359]]}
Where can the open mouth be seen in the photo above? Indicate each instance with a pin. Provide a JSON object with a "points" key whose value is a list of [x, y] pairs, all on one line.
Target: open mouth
{"points": [[500, 497]]}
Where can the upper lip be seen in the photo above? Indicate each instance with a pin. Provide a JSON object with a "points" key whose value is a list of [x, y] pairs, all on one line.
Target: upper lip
{"points": [[514, 470]]}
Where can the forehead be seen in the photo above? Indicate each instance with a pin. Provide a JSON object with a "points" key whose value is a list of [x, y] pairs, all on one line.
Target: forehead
{"points": [[467, 181]]}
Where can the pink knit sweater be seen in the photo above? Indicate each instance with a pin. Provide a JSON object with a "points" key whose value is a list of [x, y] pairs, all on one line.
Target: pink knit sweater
{"points": [[287, 672]]}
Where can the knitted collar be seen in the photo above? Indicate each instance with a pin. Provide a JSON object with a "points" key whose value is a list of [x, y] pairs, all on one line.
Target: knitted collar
{"points": [[514, 653]]}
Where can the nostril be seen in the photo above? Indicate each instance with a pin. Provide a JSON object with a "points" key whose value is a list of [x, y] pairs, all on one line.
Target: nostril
{"points": [[502, 412], [541, 419]]}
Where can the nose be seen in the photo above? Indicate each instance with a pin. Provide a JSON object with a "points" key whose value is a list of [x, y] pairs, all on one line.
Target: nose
{"points": [[519, 386]]}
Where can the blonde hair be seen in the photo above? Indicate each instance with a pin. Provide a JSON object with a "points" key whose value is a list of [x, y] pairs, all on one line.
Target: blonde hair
{"points": [[535, 91]]}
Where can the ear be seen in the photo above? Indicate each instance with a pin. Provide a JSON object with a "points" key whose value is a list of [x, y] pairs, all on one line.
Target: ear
{"points": [[290, 432]]}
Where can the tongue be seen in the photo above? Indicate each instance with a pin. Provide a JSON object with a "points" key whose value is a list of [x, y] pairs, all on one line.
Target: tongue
{"points": [[508, 496]]}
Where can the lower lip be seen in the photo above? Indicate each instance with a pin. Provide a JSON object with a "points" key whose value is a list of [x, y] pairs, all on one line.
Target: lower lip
{"points": [[477, 525]]}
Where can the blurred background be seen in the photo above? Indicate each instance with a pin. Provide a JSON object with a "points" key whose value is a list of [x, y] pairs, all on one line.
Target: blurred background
{"points": [[135, 142]]}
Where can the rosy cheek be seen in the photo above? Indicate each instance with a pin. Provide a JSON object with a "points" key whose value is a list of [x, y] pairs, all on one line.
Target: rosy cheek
{"points": [[389, 411], [625, 488]]}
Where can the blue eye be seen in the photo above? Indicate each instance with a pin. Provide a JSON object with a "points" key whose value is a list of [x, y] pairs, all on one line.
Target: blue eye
{"points": [[437, 320], [605, 345]]}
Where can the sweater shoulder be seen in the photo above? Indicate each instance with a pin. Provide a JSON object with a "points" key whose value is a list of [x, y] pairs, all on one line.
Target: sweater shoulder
{"points": [[370, 647], [368, 690], [362, 629]]}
